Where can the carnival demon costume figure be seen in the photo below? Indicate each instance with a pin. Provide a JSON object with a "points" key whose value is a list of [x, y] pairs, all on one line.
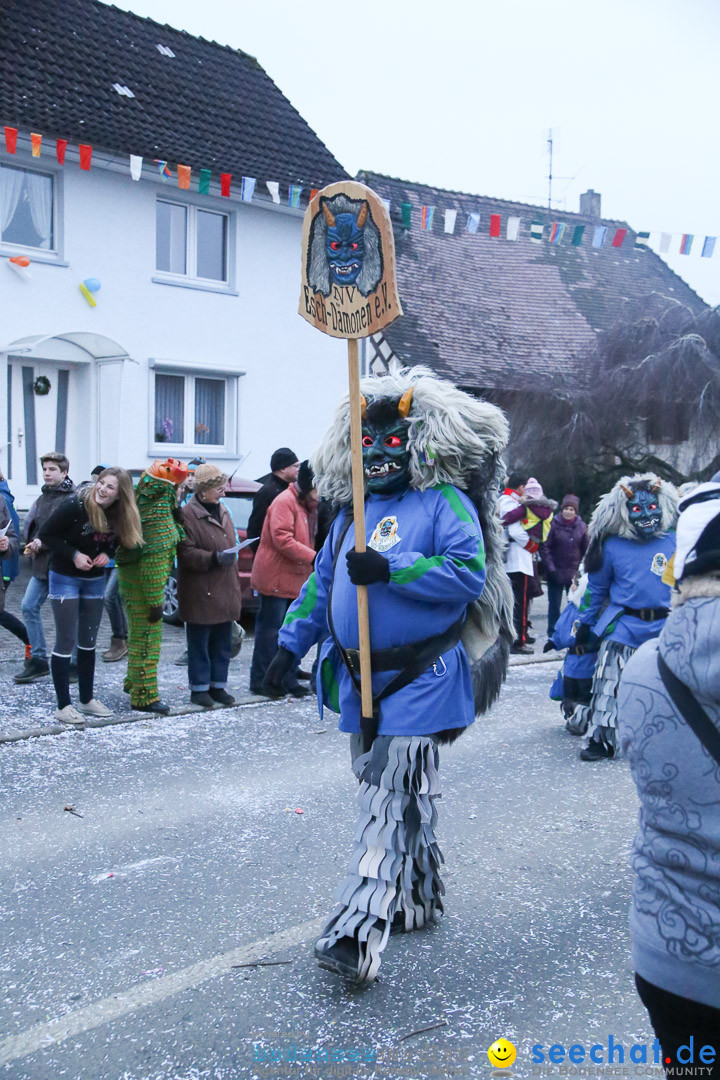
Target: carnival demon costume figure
{"points": [[440, 629], [631, 543], [142, 573]]}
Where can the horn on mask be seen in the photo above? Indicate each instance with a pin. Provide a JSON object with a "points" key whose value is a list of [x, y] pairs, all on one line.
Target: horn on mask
{"points": [[329, 216], [656, 486], [362, 216], [404, 403], [363, 406], [630, 494]]}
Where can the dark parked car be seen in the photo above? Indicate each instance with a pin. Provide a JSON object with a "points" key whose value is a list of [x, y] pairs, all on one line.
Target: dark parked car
{"points": [[238, 498]]}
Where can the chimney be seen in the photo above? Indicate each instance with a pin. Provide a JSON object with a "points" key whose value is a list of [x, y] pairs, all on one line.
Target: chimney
{"points": [[590, 204]]}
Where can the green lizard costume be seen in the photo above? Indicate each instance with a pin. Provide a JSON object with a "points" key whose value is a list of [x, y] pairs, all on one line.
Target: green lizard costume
{"points": [[142, 573]]}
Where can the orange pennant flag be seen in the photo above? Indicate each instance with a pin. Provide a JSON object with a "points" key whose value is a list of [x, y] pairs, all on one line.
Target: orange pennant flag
{"points": [[36, 140], [184, 176]]}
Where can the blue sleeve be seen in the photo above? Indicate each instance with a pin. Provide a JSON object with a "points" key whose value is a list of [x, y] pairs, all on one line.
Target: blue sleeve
{"points": [[456, 572], [599, 585], [306, 620]]}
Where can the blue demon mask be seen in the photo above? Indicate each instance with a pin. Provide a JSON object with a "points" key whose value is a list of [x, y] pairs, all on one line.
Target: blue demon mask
{"points": [[386, 459], [644, 513], [345, 244]]}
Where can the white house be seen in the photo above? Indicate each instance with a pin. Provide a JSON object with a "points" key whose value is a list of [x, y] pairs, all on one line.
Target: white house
{"points": [[194, 345]]}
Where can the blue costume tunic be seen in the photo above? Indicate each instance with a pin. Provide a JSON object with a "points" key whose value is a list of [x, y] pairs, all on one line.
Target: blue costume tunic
{"points": [[433, 543], [630, 576]]}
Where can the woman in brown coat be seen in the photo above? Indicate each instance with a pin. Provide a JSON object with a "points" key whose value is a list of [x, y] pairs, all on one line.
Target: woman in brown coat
{"points": [[208, 588]]}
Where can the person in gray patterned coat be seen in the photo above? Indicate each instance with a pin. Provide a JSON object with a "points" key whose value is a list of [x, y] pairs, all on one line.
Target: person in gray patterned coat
{"points": [[675, 912]]}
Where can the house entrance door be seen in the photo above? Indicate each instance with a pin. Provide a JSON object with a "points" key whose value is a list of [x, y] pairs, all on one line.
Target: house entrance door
{"points": [[39, 419]]}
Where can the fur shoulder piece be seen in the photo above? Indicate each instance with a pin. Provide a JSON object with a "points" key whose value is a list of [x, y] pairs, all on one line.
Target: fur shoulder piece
{"points": [[610, 517]]}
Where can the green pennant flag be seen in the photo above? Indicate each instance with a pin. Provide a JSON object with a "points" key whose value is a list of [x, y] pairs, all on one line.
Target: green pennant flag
{"points": [[204, 184], [406, 209], [536, 231], [578, 232]]}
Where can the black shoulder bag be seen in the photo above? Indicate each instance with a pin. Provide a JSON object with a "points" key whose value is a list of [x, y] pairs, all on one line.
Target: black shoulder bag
{"points": [[690, 709]]}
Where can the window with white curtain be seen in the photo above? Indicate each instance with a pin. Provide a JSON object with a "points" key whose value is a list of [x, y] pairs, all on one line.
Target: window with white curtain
{"points": [[191, 242], [190, 410], [26, 208]]}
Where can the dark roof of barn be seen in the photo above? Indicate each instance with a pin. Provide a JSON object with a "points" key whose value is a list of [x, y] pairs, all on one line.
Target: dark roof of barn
{"points": [[208, 106], [497, 314]]}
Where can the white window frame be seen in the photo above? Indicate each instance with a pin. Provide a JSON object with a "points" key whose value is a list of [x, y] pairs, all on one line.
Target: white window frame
{"points": [[190, 373], [56, 254], [190, 280]]}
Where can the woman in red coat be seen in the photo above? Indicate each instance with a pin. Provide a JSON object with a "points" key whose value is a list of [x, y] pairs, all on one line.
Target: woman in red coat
{"points": [[282, 565]]}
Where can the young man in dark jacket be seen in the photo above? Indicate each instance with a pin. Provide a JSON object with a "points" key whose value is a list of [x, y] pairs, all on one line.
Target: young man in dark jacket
{"points": [[284, 467], [57, 486]]}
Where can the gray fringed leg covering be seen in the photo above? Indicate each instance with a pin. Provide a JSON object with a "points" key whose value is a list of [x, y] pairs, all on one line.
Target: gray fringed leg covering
{"points": [[600, 716], [395, 863]]}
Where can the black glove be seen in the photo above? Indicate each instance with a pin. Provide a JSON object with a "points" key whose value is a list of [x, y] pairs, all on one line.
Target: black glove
{"points": [[280, 667], [155, 614], [224, 558], [367, 567], [585, 638]]}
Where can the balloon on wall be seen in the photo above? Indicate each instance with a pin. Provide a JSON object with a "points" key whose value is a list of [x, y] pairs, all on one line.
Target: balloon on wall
{"points": [[20, 264], [88, 287]]}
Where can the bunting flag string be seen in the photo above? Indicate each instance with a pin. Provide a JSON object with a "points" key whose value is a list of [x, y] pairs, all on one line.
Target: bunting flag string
{"points": [[559, 232]]}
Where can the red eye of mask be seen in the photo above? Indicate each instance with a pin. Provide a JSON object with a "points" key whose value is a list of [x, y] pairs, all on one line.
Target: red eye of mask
{"points": [[367, 441], [394, 441]]}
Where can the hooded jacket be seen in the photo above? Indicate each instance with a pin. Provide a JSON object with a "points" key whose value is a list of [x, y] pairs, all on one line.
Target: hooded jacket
{"points": [[46, 504], [675, 912]]}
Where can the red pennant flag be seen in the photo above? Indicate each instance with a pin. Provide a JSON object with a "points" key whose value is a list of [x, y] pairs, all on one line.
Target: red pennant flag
{"points": [[225, 179], [36, 141], [11, 140], [60, 148], [313, 193], [494, 224], [619, 237], [85, 156]]}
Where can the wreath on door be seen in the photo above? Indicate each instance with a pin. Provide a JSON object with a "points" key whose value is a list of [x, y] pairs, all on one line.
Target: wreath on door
{"points": [[41, 386]]}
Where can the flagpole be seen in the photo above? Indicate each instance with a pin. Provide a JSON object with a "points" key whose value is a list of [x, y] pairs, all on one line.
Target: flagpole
{"points": [[358, 486]]}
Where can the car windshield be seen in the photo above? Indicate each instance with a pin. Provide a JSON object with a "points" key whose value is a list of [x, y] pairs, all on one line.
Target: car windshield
{"points": [[239, 507]]}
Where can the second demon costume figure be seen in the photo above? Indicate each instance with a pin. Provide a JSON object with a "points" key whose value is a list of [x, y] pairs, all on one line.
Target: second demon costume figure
{"points": [[143, 572], [440, 629], [630, 547]]}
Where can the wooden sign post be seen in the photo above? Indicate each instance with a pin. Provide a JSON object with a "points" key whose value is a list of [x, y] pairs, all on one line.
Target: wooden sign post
{"points": [[349, 291]]}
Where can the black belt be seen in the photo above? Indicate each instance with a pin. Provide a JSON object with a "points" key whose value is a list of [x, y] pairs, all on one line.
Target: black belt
{"points": [[648, 614], [408, 656], [579, 650]]}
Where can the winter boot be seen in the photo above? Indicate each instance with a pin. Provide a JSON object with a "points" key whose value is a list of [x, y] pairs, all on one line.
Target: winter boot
{"points": [[32, 670], [118, 649]]}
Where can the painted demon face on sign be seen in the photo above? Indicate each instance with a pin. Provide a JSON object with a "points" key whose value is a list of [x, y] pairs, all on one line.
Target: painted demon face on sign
{"points": [[644, 513], [345, 245]]}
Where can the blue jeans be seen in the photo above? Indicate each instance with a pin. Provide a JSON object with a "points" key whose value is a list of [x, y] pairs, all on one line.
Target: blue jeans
{"points": [[555, 595], [114, 605], [209, 649], [35, 596], [268, 621]]}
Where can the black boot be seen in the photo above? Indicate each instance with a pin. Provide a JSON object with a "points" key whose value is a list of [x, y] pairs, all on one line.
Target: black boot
{"points": [[217, 693]]}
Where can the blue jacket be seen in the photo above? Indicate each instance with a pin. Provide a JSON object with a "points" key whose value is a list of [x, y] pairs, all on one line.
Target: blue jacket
{"points": [[675, 912], [10, 567], [434, 545], [574, 666], [630, 576]]}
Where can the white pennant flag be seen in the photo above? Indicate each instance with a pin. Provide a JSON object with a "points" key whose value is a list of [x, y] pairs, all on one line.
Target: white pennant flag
{"points": [[665, 239], [450, 218], [135, 166], [513, 228], [274, 188]]}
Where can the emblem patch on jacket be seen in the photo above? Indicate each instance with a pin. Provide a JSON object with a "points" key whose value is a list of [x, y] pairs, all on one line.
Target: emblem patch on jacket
{"points": [[385, 535], [659, 564]]}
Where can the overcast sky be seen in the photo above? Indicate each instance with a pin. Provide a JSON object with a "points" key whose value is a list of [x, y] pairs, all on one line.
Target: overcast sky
{"points": [[462, 93]]}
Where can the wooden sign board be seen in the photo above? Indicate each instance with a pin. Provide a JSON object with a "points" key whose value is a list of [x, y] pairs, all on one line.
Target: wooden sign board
{"points": [[348, 262]]}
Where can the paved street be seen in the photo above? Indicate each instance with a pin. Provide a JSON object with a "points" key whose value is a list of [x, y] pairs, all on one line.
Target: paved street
{"points": [[185, 854]]}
